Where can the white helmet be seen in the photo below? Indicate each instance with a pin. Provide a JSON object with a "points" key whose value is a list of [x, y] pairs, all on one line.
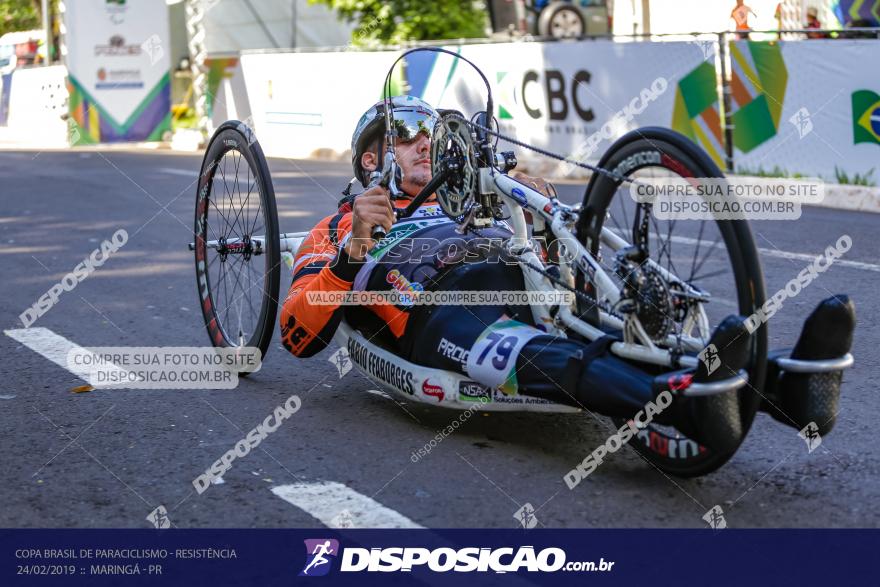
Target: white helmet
{"points": [[411, 116]]}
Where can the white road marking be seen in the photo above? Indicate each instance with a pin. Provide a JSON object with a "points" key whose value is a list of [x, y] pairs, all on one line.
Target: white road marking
{"points": [[326, 500], [54, 347], [787, 254], [777, 253], [191, 173]]}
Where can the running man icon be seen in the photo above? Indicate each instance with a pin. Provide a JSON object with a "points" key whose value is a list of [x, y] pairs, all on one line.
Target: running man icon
{"points": [[318, 551]]}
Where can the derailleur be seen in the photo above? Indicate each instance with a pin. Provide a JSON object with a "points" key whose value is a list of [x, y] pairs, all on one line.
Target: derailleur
{"points": [[645, 300]]}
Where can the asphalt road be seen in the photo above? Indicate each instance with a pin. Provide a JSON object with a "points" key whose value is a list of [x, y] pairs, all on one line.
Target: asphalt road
{"points": [[108, 458]]}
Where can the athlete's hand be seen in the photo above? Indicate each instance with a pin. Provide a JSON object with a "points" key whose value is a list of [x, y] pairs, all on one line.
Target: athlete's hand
{"points": [[537, 183], [371, 208]]}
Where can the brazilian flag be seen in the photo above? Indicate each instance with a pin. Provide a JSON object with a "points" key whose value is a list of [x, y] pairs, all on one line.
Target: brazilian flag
{"points": [[866, 117]]}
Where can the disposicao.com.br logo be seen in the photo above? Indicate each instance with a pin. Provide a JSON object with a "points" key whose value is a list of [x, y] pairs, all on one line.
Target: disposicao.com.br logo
{"points": [[441, 560]]}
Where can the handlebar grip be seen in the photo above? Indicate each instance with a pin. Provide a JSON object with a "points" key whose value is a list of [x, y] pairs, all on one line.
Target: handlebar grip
{"points": [[378, 233]]}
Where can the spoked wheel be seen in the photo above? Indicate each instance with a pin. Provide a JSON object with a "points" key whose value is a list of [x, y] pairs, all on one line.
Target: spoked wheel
{"points": [[715, 258], [236, 241]]}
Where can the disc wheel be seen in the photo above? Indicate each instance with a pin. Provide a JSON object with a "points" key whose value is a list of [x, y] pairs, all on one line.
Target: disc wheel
{"points": [[237, 244], [716, 257]]}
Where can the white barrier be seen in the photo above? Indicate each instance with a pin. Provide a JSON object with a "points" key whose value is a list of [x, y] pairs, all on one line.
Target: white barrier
{"points": [[830, 110], [303, 103], [37, 102]]}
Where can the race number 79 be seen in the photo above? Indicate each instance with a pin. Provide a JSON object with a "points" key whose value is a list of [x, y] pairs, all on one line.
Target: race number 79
{"points": [[503, 346]]}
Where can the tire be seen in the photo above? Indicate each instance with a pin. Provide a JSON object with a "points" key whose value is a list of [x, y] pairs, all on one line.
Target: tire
{"points": [[658, 150], [223, 212], [561, 21]]}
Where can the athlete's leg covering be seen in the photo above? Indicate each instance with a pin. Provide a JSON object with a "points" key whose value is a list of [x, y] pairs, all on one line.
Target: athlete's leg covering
{"points": [[583, 375]]}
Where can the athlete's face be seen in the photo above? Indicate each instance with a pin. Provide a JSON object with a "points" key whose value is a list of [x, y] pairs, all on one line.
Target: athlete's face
{"points": [[414, 158]]}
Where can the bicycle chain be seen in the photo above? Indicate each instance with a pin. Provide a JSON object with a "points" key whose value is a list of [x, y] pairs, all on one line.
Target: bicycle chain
{"points": [[540, 151]]}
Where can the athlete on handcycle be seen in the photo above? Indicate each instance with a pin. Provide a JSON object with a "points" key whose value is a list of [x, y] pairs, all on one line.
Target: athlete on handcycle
{"points": [[489, 343]]}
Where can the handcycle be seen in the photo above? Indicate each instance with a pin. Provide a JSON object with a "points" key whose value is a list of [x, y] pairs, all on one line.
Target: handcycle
{"points": [[610, 254]]}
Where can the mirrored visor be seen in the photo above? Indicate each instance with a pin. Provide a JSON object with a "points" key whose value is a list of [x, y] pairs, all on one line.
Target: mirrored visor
{"points": [[409, 123]]}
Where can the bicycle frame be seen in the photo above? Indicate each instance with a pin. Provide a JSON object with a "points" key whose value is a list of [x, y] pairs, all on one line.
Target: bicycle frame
{"points": [[558, 216]]}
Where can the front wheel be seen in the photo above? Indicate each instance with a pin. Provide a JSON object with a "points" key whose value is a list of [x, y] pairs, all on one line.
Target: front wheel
{"points": [[237, 246], [717, 258]]}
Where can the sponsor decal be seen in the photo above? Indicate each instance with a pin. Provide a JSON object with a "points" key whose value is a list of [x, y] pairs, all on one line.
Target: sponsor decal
{"points": [[432, 390], [381, 368], [408, 288], [471, 391], [866, 117], [673, 448], [428, 211], [450, 350], [637, 160], [115, 10], [116, 79], [398, 232], [116, 47], [520, 196], [499, 397]]}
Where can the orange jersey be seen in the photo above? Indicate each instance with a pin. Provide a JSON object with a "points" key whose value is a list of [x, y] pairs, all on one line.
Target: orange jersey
{"points": [[320, 266], [416, 251]]}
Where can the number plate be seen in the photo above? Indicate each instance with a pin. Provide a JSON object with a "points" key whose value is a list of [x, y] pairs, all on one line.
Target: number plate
{"points": [[492, 359]]}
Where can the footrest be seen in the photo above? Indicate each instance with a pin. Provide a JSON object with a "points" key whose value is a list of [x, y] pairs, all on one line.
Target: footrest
{"points": [[816, 365], [803, 386], [683, 383]]}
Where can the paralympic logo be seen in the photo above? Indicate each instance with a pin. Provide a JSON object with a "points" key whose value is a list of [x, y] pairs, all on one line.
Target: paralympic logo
{"points": [[317, 552]]}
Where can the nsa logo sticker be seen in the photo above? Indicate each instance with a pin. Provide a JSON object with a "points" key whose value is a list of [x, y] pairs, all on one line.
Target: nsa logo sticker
{"points": [[319, 554]]}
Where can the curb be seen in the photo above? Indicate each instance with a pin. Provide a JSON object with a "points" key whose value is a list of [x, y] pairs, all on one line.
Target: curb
{"points": [[853, 198]]}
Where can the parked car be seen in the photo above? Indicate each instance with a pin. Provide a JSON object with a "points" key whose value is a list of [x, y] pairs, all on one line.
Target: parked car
{"points": [[570, 19], [561, 19]]}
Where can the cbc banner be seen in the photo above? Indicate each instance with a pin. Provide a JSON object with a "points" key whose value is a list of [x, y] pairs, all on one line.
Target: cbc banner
{"points": [[118, 70], [576, 98]]}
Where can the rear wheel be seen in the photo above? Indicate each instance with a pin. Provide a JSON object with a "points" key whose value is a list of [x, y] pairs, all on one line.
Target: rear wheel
{"points": [[715, 257], [236, 241]]}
